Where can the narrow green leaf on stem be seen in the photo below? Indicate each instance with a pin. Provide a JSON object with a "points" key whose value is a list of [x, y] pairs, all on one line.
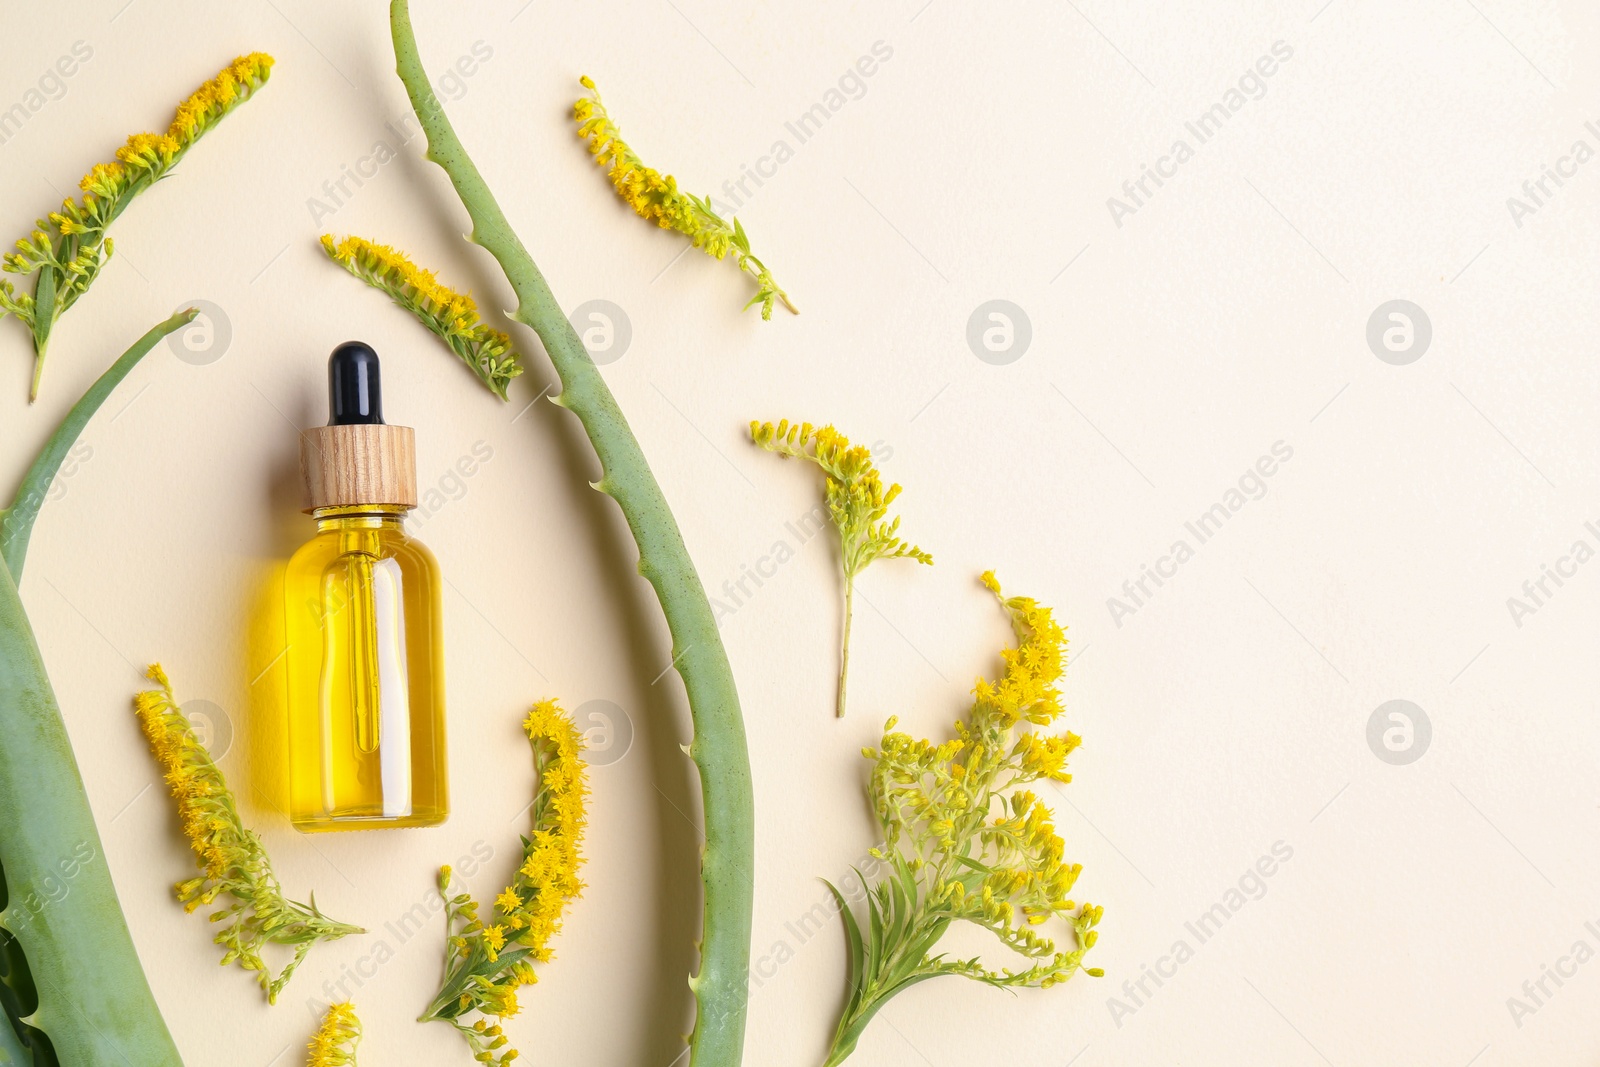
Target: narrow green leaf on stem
{"points": [[44, 297]]}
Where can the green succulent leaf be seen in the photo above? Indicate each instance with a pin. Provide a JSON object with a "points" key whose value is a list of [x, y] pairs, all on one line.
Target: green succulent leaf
{"points": [[14, 1052], [719, 750], [94, 1016]]}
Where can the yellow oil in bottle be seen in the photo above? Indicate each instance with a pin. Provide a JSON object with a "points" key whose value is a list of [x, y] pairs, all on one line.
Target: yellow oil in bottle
{"points": [[366, 700], [365, 676]]}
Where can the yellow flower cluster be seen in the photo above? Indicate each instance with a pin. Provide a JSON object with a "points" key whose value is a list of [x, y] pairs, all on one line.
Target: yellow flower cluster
{"points": [[15, 303], [487, 963], [230, 856], [939, 799], [1027, 690], [857, 502], [69, 251], [148, 155], [452, 316], [334, 1044], [217, 97], [964, 841], [653, 195], [530, 909], [656, 197], [857, 499], [144, 159]]}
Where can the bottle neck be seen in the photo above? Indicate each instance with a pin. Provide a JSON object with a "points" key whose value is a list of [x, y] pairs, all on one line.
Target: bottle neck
{"points": [[360, 517]]}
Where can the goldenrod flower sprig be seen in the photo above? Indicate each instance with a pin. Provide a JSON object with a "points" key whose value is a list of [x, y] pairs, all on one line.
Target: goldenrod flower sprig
{"points": [[334, 1044], [857, 501], [229, 854], [485, 964], [964, 842], [656, 197], [68, 251], [452, 316]]}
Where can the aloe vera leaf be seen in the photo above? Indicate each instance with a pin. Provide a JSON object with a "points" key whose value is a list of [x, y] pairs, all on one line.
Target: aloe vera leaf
{"points": [[721, 987], [94, 1003], [16, 521], [61, 906], [12, 1054], [16, 990]]}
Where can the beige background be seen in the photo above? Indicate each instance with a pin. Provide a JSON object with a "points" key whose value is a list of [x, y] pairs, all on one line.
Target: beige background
{"points": [[1228, 313]]}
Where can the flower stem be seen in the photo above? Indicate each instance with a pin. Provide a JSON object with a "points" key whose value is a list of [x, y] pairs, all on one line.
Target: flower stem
{"points": [[844, 650], [38, 372], [851, 1026]]}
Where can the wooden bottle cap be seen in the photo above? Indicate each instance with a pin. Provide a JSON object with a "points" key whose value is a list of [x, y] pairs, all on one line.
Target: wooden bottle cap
{"points": [[364, 464]]}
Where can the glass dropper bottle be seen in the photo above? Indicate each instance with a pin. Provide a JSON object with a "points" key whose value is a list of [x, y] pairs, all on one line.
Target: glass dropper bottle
{"points": [[365, 668]]}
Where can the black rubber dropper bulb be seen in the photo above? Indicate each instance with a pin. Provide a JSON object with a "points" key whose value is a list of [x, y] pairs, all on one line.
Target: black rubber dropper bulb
{"points": [[355, 395]]}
